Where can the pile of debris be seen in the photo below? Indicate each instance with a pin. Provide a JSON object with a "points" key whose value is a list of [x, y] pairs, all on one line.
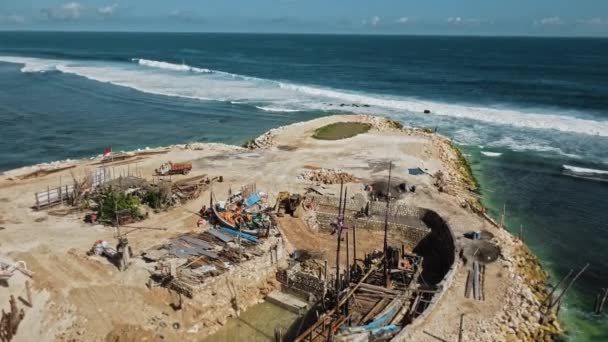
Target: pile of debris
{"points": [[185, 262], [8, 268], [327, 176]]}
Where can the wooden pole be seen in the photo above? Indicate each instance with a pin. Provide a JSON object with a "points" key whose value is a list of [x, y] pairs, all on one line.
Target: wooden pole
{"points": [[596, 304], [338, 227], [355, 246], [569, 286], [347, 260], [550, 295], [28, 293], [388, 200], [603, 300], [460, 328], [60, 194], [521, 232]]}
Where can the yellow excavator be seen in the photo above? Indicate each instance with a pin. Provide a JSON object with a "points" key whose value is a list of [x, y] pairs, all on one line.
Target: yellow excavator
{"points": [[288, 204]]}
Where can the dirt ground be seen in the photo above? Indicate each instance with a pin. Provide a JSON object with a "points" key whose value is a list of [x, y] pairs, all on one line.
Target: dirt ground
{"points": [[323, 245], [81, 298]]}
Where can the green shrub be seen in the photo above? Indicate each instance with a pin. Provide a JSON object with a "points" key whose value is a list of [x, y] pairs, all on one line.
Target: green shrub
{"points": [[111, 202]]}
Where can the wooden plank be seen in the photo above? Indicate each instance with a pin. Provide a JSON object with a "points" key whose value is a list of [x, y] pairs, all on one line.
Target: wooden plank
{"points": [[381, 304]]}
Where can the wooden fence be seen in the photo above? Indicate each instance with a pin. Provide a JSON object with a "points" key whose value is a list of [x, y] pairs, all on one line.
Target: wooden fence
{"points": [[56, 196], [52, 197]]}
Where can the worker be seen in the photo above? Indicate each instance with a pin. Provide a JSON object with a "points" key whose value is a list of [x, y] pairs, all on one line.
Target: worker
{"points": [[124, 253]]}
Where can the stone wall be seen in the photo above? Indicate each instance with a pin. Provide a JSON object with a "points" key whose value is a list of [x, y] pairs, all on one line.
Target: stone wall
{"points": [[411, 235], [249, 280], [326, 209]]}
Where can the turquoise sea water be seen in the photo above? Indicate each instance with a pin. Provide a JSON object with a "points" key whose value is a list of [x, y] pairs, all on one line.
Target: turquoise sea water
{"points": [[530, 113]]}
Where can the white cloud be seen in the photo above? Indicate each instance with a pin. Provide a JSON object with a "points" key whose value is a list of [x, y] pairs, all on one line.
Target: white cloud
{"points": [[11, 19], [595, 22], [72, 10], [467, 21], [403, 20], [107, 10], [549, 21], [67, 11], [375, 21]]}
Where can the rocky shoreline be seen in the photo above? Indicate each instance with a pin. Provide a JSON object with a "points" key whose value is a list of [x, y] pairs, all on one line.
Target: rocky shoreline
{"points": [[523, 317]]}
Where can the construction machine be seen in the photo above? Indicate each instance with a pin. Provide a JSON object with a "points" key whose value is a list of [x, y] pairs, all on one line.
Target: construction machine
{"points": [[288, 204]]}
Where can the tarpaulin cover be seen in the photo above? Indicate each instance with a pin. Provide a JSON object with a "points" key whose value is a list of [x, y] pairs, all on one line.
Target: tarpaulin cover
{"points": [[253, 199], [416, 171]]}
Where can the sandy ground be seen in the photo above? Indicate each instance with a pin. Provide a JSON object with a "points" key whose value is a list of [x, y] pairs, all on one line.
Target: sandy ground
{"points": [[86, 299]]}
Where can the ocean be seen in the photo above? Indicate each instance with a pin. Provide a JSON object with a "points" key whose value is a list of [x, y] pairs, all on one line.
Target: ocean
{"points": [[530, 114]]}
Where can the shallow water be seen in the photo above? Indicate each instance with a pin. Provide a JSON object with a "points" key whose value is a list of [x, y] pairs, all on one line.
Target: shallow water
{"points": [[258, 324]]}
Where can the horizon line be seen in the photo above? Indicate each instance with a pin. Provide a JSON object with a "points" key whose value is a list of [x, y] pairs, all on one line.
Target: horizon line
{"points": [[312, 33]]}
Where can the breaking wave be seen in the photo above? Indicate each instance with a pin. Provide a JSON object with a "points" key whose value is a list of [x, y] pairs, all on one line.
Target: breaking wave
{"points": [[206, 84], [583, 170], [169, 66], [585, 173], [277, 109], [491, 154]]}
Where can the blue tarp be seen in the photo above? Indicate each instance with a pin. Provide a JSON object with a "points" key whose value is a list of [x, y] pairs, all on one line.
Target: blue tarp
{"points": [[237, 233], [416, 171], [388, 328], [253, 199], [376, 324]]}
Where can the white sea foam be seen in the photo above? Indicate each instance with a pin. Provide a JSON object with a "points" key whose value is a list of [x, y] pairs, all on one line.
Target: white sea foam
{"points": [[529, 144], [491, 154], [31, 64], [205, 84], [277, 109], [169, 66], [584, 171]]}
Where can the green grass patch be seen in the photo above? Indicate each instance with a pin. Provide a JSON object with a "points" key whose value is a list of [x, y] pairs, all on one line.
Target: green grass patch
{"points": [[465, 168], [341, 130]]}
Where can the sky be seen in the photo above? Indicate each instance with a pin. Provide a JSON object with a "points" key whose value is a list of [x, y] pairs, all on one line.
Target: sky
{"points": [[443, 17]]}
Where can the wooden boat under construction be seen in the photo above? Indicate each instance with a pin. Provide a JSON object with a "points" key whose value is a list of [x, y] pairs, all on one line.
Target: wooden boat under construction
{"points": [[376, 297], [363, 308]]}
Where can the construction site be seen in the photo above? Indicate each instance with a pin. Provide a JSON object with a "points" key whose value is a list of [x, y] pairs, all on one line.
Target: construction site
{"points": [[374, 236]]}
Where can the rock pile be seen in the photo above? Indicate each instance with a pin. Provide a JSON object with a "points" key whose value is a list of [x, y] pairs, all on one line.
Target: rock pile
{"points": [[263, 141], [327, 176]]}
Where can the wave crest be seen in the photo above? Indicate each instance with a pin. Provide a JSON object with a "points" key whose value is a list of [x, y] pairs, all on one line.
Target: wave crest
{"points": [[170, 66], [271, 94], [491, 154], [584, 171]]}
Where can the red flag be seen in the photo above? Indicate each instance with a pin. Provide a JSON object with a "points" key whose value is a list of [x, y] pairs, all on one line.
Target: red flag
{"points": [[107, 152]]}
